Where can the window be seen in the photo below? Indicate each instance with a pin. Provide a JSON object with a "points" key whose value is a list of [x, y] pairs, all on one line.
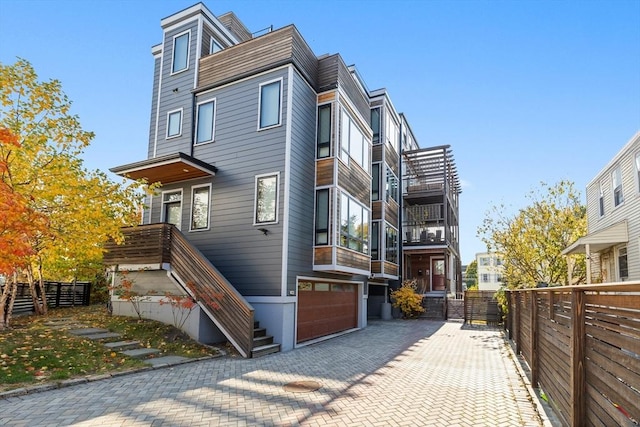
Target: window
{"points": [[324, 131], [172, 207], [352, 143], [214, 46], [205, 122], [485, 261], [200, 197], [391, 186], [392, 132], [498, 261], [322, 217], [375, 240], [174, 123], [616, 179], [601, 200], [354, 225], [638, 170], [391, 248], [375, 181], [623, 267], [180, 52], [375, 124], [484, 278], [270, 105], [266, 208]]}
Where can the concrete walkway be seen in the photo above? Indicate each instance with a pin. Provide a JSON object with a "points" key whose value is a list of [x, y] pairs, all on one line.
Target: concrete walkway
{"points": [[394, 373]]}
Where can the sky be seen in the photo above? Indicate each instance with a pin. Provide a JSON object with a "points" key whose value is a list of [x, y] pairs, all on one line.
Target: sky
{"points": [[523, 91]]}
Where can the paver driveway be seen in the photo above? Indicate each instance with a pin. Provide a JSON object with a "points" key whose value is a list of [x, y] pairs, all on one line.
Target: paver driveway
{"points": [[393, 373]]}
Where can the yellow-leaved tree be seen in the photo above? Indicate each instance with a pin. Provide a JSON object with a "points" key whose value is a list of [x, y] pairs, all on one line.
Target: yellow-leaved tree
{"points": [[77, 209]]}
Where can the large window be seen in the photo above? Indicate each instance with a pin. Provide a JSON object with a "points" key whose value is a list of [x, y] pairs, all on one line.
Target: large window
{"points": [[354, 225], [200, 196], [623, 267], [375, 181], [180, 52], [391, 186], [353, 143], [391, 244], [266, 207], [375, 124], [172, 207], [322, 217], [174, 123], [616, 180], [270, 104], [324, 131], [205, 122], [375, 240]]}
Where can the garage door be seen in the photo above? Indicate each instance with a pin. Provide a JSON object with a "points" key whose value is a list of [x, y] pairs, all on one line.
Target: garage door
{"points": [[326, 308]]}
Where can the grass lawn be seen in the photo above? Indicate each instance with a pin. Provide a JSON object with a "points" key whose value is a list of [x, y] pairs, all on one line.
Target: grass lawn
{"points": [[33, 353]]}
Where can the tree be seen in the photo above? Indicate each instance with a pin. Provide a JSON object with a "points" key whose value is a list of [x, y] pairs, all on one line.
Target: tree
{"points": [[42, 173], [472, 275], [531, 242]]}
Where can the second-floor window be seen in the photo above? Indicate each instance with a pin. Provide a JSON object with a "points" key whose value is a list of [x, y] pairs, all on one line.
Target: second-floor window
{"points": [[205, 122], [266, 208], [616, 180], [180, 52], [375, 181], [391, 244], [375, 240], [354, 225], [392, 186], [324, 131], [174, 123], [353, 144], [601, 200], [322, 217], [270, 109]]}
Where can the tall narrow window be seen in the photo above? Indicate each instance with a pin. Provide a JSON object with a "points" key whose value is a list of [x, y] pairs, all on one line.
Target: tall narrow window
{"points": [[270, 105], [375, 181], [205, 122], [601, 200], [616, 179], [375, 240], [200, 207], [391, 244], [324, 131], [623, 267], [172, 207], [391, 186], [322, 217], [354, 225], [375, 124], [174, 123], [180, 52], [353, 144], [266, 208]]}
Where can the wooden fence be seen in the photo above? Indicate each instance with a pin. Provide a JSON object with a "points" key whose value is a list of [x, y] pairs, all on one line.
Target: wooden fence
{"points": [[482, 307], [582, 345], [58, 294]]}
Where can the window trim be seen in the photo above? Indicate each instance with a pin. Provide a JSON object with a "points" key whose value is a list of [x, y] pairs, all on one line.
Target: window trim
{"points": [[163, 204], [213, 42], [169, 113], [255, 198], [213, 121], [173, 52], [615, 174], [320, 144], [280, 81], [193, 192], [601, 207], [618, 269], [326, 215]]}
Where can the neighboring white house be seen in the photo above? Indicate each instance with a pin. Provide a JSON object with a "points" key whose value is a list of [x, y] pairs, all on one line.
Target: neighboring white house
{"points": [[490, 270], [612, 243]]}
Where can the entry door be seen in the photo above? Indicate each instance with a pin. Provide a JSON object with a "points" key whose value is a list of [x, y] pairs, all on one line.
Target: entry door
{"points": [[437, 275]]}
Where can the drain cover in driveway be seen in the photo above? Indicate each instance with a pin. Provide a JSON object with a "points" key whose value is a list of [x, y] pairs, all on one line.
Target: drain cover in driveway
{"points": [[302, 386]]}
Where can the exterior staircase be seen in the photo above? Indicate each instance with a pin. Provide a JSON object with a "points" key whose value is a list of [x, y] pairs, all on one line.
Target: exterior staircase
{"points": [[262, 343], [435, 307]]}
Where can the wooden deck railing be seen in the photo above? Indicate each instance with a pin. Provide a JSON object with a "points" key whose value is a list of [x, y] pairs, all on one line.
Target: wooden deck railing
{"points": [[582, 345], [163, 243]]}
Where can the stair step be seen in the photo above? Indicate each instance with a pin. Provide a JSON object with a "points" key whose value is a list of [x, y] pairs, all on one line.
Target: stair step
{"points": [[265, 349], [141, 353], [259, 332], [256, 324], [122, 345], [165, 360], [264, 340], [102, 336]]}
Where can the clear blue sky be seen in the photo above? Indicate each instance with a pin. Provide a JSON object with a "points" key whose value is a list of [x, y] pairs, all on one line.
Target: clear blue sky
{"points": [[524, 91]]}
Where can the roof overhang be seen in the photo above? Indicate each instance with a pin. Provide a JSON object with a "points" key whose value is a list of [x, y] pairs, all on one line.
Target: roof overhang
{"points": [[600, 240], [166, 169]]}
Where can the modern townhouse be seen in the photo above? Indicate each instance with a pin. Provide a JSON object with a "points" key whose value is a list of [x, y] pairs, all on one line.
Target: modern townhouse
{"points": [[279, 199], [612, 243]]}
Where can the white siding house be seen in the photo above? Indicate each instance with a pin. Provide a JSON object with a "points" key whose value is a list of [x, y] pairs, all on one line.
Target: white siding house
{"points": [[490, 271]]}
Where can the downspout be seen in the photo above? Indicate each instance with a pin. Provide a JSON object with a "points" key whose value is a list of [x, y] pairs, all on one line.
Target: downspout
{"points": [[587, 249]]}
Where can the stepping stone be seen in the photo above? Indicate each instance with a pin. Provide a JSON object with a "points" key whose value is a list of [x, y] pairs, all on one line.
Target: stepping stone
{"points": [[141, 353], [102, 335], [165, 360], [122, 345], [87, 331], [62, 320]]}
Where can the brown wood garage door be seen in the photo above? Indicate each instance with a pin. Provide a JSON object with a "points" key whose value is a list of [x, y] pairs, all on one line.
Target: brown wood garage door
{"points": [[326, 308]]}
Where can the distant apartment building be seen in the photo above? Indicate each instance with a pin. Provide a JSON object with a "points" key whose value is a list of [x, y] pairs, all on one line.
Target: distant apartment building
{"points": [[612, 243], [490, 271]]}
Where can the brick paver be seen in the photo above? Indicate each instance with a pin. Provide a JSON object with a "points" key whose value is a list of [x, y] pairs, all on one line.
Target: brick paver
{"points": [[394, 373]]}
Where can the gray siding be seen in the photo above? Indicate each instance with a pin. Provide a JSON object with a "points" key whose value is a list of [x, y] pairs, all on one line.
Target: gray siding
{"points": [[154, 104], [302, 182]]}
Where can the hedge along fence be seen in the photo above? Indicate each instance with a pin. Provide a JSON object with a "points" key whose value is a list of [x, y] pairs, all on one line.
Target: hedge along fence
{"points": [[59, 294], [582, 345]]}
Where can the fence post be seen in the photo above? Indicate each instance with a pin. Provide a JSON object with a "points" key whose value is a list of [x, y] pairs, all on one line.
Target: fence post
{"points": [[87, 294], [533, 343], [58, 292], [577, 384], [517, 321]]}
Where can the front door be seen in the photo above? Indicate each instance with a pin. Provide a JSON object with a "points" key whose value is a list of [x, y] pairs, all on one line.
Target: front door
{"points": [[437, 275]]}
